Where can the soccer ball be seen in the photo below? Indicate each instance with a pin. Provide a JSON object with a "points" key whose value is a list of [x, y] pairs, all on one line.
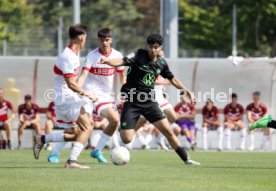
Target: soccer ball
{"points": [[120, 155]]}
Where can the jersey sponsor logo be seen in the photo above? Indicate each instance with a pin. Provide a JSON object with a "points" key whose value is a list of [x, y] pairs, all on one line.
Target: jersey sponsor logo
{"points": [[102, 71], [149, 79]]}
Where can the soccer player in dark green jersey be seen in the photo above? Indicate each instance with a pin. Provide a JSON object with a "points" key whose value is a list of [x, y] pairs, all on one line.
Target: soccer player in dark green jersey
{"points": [[144, 66]]}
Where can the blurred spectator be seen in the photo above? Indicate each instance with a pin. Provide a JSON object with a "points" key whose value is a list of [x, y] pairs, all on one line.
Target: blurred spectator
{"points": [[255, 111], [210, 114], [51, 122], [5, 120], [186, 120], [233, 119], [28, 117]]}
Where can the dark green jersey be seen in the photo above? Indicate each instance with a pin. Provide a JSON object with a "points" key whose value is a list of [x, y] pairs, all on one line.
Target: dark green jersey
{"points": [[142, 72]]}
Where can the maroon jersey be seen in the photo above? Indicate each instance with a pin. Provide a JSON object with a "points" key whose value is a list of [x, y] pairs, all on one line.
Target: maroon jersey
{"points": [[28, 114], [233, 113], [5, 105], [186, 108], [257, 113], [213, 114], [51, 108]]}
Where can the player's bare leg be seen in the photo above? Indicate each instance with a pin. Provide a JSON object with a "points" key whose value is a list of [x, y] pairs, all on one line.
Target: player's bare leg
{"points": [[243, 130], [127, 135], [113, 118], [48, 129], [164, 127], [266, 137], [8, 128], [22, 126], [228, 128], [160, 139], [204, 135], [36, 128]]}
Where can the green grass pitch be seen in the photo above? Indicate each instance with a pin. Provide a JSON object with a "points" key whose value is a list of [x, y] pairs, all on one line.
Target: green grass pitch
{"points": [[147, 170]]}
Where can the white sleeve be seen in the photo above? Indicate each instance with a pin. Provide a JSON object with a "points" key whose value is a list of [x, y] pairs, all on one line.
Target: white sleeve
{"points": [[87, 63], [120, 68], [66, 66]]}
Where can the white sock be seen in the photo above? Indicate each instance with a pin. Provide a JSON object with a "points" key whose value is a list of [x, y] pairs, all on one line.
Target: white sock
{"points": [[115, 140], [141, 139], [102, 142], [58, 148], [243, 137], [252, 139], [204, 131], [228, 138], [76, 150], [148, 139], [54, 137], [220, 134], [265, 139]]}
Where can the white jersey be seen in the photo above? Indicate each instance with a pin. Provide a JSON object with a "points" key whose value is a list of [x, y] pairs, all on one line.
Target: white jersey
{"points": [[100, 78], [67, 65], [159, 97]]}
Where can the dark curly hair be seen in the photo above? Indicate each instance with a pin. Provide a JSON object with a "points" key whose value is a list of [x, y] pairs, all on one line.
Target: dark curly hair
{"points": [[155, 38]]}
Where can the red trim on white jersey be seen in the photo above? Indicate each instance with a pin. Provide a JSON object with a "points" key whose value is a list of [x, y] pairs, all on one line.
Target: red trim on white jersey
{"points": [[164, 104], [102, 104], [102, 71], [106, 55], [59, 72], [120, 71], [61, 121], [85, 68]]}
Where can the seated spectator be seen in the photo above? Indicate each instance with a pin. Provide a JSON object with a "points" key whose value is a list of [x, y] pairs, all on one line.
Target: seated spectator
{"points": [[51, 122], [185, 113], [233, 116], [210, 114], [5, 120], [28, 117], [255, 111]]}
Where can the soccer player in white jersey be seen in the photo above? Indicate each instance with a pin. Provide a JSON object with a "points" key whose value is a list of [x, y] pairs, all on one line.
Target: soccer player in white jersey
{"points": [[72, 104], [98, 79]]}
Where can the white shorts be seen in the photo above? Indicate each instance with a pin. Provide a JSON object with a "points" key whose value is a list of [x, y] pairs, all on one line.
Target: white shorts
{"points": [[163, 103], [68, 112], [105, 101]]}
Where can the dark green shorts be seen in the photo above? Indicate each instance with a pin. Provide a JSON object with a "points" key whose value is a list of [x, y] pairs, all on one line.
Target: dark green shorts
{"points": [[133, 110]]}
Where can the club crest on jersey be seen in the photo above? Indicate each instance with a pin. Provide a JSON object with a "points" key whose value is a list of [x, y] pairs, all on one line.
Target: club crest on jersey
{"points": [[149, 79]]}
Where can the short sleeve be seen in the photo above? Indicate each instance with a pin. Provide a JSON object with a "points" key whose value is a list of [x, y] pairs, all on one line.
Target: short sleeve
{"points": [[87, 63], [203, 112], [192, 107], [36, 108], [10, 106], [166, 73], [264, 108], [20, 109], [241, 109], [225, 110], [120, 68], [130, 59], [248, 108], [176, 108], [67, 68]]}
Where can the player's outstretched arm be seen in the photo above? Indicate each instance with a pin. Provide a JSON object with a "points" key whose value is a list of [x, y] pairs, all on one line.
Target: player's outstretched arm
{"points": [[82, 77], [112, 62], [176, 83], [162, 82]]}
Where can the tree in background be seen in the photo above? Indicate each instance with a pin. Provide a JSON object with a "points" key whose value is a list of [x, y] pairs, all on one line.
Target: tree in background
{"points": [[206, 24], [21, 28]]}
